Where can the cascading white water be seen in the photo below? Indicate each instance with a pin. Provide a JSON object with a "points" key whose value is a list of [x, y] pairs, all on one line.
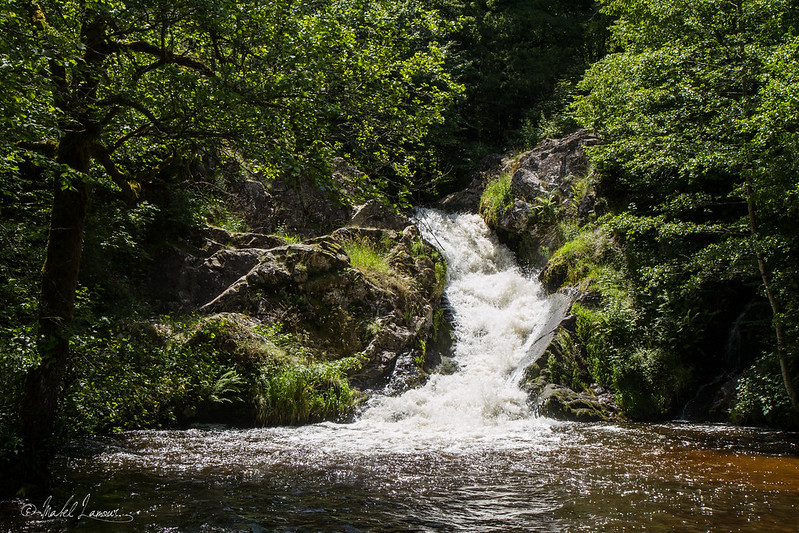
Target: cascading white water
{"points": [[498, 314]]}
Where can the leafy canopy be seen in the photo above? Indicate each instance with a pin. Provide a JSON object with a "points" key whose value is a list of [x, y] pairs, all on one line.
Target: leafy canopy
{"points": [[283, 85], [695, 105]]}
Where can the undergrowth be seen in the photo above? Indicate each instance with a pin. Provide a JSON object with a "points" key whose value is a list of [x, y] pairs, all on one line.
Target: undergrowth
{"points": [[496, 199]]}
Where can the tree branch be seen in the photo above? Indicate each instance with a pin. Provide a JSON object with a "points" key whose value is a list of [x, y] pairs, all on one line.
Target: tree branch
{"points": [[121, 101], [165, 56], [122, 179], [45, 148]]}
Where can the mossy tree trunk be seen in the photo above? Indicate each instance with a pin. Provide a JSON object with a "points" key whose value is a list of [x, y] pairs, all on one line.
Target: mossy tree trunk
{"points": [[75, 96], [39, 404]]}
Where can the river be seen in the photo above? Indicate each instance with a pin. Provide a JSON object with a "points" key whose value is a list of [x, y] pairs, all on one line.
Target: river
{"points": [[461, 453]]}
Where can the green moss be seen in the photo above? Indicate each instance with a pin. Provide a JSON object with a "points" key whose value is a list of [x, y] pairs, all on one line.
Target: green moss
{"points": [[588, 255], [564, 362]]}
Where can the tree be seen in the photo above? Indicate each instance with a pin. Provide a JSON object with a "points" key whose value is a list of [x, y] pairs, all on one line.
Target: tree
{"points": [[118, 89], [511, 56], [683, 104]]}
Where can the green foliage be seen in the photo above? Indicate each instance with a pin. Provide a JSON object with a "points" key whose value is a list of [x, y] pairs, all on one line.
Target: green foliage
{"points": [[760, 396], [511, 56], [219, 367], [287, 83], [693, 106], [585, 259], [121, 382], [287, 236], [368, 257], [441, 276], [642, 359], [299, 393], [220, 215], [17, 355], [496, 199]]}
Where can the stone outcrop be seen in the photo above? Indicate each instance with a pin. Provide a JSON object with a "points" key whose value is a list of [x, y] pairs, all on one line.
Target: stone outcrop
{"points": [[315, 293], [560, 384], [549, 179], [299, 207], [375, 214], [550, 169], [468, 199]]}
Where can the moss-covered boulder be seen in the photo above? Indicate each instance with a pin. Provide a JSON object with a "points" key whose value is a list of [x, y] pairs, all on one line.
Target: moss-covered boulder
{"points": [[563, 403], [560, 384], [307, 326]]}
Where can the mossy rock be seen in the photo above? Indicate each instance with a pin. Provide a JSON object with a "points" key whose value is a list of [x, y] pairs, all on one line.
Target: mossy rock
{"points": [[554, 274], [562, 403]]}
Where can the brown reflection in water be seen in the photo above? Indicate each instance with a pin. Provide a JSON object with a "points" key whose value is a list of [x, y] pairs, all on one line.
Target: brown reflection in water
{"points": [[714, 467]]}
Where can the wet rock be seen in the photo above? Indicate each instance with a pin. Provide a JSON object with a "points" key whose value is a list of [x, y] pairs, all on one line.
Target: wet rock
{"points": [[563, 403], [465, 201], [554, 274], [713, 401], [560, 385], [516, 219]]}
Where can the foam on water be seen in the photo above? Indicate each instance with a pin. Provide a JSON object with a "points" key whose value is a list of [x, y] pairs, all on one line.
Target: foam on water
{"points": [[462, 453], [498, 312]]}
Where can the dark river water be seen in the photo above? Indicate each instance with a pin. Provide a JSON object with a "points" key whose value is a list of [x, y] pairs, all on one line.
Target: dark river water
{"points": [[461, 453], [534, 475]]}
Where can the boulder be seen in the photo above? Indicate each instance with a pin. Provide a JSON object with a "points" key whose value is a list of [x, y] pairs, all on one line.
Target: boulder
{"points": [[560, 385], [297, 206], [562, 403], [312, 290], [552, 166], [376, 214]]}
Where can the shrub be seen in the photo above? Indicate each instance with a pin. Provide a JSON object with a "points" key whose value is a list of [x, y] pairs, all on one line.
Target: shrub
{"points": [[761, 397], [298, 393]]}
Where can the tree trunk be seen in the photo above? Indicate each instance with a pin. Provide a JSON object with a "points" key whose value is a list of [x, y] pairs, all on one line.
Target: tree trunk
{"points": [[765, 275], [39, 404], [776, 308]]}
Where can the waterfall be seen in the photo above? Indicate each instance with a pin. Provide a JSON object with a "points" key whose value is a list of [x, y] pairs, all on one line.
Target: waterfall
{"points": [[499, 313]]}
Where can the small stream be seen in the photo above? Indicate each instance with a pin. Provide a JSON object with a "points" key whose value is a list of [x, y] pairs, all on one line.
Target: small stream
{"points": [[461, 453]]}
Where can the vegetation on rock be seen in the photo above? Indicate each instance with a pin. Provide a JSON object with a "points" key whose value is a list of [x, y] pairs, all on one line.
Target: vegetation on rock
{"points": [[687, 245]]}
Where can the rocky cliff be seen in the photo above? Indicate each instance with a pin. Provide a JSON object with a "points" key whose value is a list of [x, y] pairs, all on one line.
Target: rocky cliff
{"points": [[353, 288], [525, 197]]}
